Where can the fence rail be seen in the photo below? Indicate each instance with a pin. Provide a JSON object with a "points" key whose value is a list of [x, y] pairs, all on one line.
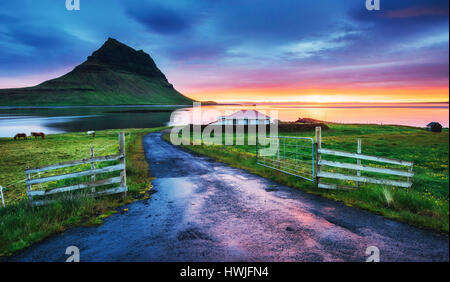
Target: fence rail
{"points": [[103, 182], [362, 179], [121, 180], [75, 174], [75, 163], [366, 168], [363, 157]]}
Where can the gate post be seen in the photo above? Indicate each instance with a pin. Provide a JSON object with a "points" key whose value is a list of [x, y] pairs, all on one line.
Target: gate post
{"points": [[358, 161], [92, 167], [1, 193], [30, 198], [278, 153], [123, 173], [318, 147], [257, 140]]}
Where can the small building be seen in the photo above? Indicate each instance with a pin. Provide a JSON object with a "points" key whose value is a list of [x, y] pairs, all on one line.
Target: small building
{"points": [[434, 127], [244, 117]]}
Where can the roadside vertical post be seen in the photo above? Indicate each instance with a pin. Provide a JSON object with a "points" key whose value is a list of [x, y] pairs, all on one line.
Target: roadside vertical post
{"points": [[40, 184], [318, 155], [358, 161], [410, 169], [92, 167], [30, 198], [1, 192], [123, 173], [257, 140], [278, 152], [296, 157]]}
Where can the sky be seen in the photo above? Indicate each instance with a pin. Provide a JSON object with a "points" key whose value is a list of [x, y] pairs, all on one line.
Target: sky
{"points": [[244, 50]]}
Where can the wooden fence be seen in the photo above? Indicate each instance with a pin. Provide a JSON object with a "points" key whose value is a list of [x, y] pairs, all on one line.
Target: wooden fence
{"points": [[358, 167], [121, 180]]}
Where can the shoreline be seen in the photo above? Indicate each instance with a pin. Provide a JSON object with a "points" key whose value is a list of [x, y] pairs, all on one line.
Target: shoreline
{"points": [[350, 105]]}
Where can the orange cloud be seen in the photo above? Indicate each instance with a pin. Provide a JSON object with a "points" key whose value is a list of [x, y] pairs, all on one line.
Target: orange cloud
{"points": [[323, 95]]}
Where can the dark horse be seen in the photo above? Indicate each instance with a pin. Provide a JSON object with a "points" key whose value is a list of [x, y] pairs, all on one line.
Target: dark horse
{"points": [[19, 135], [37, 134]]}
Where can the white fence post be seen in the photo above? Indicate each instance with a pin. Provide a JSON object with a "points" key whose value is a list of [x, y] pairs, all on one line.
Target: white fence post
{"points": [[410, 170], [318, 156], [92, 167], [358, 161], [30, 198], [1, 192], [123, 173]]}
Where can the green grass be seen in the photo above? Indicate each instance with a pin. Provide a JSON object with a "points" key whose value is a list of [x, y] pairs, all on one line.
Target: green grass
{"points": [[425, 204], [20, 225], [133, 90]]}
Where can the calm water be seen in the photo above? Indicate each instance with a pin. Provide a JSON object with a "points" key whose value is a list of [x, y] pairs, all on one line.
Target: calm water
{"points": [[72, 119], [399, 114]]}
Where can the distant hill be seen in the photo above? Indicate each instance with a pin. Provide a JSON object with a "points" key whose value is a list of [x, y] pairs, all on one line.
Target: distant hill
{"points": [[114, 74]]}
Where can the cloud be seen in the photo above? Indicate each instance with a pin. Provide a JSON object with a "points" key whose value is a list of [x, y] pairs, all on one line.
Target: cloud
{"points": [[27, 48], [205, 43], [159, 17], [395, 13], [414, 12]]}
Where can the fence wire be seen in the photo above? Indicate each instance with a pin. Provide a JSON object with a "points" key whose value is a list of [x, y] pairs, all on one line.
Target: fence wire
{"points": [[291, 155]]}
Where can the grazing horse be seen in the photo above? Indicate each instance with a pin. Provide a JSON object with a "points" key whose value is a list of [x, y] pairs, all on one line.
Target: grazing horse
{"points": [[90, 133], [37, 134], [18, 135]]}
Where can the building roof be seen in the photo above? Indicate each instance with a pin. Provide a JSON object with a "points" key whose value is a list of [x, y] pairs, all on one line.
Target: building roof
{"points": [[247, 114], [434, 123]]}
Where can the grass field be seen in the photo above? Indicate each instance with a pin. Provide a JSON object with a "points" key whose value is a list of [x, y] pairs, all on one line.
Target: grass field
{"points": [[425, 204], [21, 226]]}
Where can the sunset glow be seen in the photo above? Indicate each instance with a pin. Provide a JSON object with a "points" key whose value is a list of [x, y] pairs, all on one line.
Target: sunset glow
{"points": [[227, 51], [407, 95]]}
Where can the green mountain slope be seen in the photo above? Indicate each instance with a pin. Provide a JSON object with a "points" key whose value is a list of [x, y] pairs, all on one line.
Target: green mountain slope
{"points": [[114, 74]]}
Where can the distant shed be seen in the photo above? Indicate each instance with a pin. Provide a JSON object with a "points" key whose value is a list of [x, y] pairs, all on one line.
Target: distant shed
{"points": [[434, 127]]}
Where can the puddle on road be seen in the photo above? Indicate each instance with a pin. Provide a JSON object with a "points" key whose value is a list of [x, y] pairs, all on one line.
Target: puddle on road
{"points": [[180, 187]]}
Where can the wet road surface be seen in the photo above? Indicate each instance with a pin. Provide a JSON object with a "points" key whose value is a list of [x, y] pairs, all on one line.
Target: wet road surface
{"points": [[206, 211]]}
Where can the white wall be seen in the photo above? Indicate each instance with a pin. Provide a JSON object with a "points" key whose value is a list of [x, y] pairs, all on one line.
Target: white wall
{"points": [[244, 121]]}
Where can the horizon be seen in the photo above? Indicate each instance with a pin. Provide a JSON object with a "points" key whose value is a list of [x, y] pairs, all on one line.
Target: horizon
{"points": [[230, 53]]}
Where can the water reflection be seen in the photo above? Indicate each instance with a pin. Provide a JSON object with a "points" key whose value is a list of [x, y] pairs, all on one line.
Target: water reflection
{"points": [[67, 119], [397, 114], [72, 119]]}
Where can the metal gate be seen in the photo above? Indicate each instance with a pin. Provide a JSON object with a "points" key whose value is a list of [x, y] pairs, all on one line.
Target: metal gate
{"points": [[291, 155]]}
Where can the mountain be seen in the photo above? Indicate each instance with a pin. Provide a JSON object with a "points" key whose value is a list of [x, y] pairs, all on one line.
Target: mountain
{"points": [[114, 74]]}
